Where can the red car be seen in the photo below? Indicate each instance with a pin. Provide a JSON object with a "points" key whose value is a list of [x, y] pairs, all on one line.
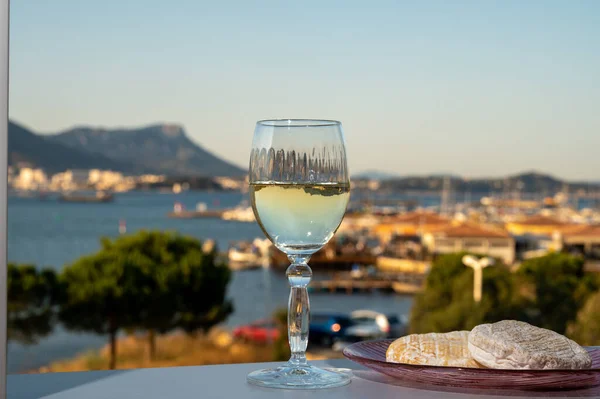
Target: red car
{"points": [[261, 331]]}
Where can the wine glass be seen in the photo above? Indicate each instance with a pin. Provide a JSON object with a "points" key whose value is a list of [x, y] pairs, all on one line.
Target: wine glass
{"points": [[299, 189]]}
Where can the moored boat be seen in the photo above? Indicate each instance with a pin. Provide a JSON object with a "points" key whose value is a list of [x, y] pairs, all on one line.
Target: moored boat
{"points": [[99, 196]]}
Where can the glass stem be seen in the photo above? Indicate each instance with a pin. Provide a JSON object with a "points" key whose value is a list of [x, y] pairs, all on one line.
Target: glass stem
{"points": [[299, 275]]}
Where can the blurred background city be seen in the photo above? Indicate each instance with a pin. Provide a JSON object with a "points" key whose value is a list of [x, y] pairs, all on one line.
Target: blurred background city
{"points": [[470, 129]]}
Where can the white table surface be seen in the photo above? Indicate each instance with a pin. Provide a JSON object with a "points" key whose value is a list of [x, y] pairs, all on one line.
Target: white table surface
{"points": [[229, 381]]}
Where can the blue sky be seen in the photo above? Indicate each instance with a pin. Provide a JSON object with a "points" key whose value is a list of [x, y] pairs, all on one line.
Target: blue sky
{"points": [[478, 88]]}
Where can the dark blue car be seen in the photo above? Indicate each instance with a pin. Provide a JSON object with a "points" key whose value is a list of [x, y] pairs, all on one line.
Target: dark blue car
{"points": [[327, 328]]}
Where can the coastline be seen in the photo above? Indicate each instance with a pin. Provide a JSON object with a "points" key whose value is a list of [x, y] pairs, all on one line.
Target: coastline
{"points": [[176, 349]]}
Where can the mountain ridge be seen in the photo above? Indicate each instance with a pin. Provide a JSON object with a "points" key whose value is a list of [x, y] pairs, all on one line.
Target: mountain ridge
{"points": [[375, 174], [26, 147], [159, 148], [163, 147], [526, 182]]}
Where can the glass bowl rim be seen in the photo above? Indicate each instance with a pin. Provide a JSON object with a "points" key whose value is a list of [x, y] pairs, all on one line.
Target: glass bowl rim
{"points": [[298, 122]]}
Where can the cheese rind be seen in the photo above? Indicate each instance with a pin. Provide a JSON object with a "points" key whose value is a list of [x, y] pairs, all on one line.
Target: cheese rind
{"points": [[433, 349], [516, 345]]}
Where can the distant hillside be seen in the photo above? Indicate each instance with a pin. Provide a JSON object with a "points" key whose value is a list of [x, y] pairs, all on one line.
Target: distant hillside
{"points": [[375, 175], [163, 148], [530, 182], [25, 147]]}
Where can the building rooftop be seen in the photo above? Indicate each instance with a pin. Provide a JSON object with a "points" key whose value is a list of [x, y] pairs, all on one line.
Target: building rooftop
{"points": [[419, 218], [582, 231], [471, 230], [540, 220]]}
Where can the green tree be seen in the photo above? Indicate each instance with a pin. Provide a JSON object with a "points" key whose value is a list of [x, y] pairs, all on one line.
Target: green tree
{"points": [[556, 287], [585, 330], [447, 302], [588, 285], [32, 297], [184, 287], [438, 288], [281, 348], [200, 283], [152, 281], [156, 256], [102, 294]]}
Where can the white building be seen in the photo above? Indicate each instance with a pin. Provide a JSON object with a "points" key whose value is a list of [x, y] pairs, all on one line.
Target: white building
{"points": [[79, 177], [229, 183], [70, 180], [104, 179], [30, 179], [471, 238]]}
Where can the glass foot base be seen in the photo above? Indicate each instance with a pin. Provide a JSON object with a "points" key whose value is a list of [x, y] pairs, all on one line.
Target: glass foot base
{"points": [[298, 377]]}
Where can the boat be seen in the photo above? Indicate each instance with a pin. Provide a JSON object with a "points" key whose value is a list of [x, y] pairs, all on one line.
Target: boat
{"points": [[242, 260], [99, 197], [338, 254], [244, 255], [122, 226], [202, 211], [400, 287], [392, 264], [239, 214]]}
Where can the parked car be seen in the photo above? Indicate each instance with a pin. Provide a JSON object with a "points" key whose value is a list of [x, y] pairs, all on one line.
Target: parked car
{"points": [[260, 331], [367, 324], [398, 325], [326, 328]]}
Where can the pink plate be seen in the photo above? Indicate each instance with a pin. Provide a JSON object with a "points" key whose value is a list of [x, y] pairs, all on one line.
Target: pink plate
{"points": [[372, 355]]}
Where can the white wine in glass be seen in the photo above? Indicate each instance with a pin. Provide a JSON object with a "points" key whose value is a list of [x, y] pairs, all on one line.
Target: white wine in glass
{"points": [[299, 217], [299, 188]]}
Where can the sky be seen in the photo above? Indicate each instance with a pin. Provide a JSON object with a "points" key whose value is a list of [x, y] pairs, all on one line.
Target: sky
{"points": [[476, 88]]}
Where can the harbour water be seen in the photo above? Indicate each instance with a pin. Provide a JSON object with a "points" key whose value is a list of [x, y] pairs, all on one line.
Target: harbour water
{"points": [[51, 233]]}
